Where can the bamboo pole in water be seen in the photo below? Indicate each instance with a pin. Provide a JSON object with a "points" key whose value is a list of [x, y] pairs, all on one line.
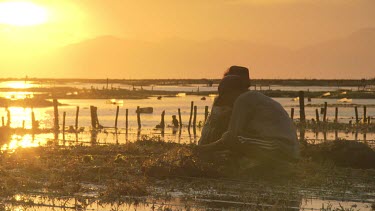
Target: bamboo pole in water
{"points": [[117, 111], [325, 113], [33, 120], [63, 126], [364, 114], [336, 114], [317, 115], [126, 120], [162, 123], [302, 106], [205, 113], [195, 117], [56, 116], [94, 122], [179, 117], [191, 113], [139, 118], [356, 114], [77, 114]]}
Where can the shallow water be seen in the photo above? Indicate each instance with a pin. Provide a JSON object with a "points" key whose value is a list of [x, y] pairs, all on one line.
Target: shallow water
{"points": [[180, 202], [21, 117]]}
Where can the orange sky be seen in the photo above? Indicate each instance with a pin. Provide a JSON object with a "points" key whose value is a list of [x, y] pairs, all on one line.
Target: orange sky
{"points": [[291, 24]]}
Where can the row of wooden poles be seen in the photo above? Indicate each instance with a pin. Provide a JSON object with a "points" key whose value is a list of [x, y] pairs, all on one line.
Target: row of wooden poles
{"points": [[365, 119], [96, 125]]}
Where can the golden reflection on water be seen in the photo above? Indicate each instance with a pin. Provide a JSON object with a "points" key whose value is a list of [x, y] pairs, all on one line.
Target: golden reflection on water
{"points": [[18, 95], [17, 85], [17, 141], [21, 117]]}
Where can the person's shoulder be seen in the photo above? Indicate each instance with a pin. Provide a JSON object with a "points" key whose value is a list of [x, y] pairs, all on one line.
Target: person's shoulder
{"points": [[252, 94]]}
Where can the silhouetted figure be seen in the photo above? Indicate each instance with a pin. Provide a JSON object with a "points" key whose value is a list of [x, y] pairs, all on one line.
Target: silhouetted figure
{"points": [[259, 127]]}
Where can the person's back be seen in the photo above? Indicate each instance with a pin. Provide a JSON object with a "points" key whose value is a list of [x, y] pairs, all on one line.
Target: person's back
{"points": [[261, 120]]}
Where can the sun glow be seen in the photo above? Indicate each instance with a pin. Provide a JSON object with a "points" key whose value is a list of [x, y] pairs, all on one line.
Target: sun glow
{"points": [[22, 14]]}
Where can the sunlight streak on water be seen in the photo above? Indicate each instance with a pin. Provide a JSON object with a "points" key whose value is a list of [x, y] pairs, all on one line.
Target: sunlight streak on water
{"points": [[17, 141]]}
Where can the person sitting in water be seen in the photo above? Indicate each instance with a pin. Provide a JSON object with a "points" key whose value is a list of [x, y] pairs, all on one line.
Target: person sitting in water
{"points": [[259, 127]]}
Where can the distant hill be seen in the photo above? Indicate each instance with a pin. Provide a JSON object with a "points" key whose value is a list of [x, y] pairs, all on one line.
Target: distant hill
{"points": [[108, 56]]}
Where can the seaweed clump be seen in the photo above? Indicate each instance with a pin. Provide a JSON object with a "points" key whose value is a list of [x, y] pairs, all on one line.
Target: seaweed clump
{"points": [[342, 153]]}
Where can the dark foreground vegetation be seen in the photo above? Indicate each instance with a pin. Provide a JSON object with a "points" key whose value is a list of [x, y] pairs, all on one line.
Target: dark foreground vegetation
{"points": [[152, 168]]}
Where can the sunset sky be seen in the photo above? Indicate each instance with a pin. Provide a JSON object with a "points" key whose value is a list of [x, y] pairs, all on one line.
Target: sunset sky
{"points": [[285, 24]]}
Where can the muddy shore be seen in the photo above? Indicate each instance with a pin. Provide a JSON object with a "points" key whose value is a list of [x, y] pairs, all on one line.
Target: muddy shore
{"points": [[152, 168]]}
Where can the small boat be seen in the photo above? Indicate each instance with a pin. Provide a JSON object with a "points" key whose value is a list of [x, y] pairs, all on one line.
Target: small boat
{"points": [[159, 98], [115, 102], [343, 93], [203, 98], [212, 95], [146, 110], [295, 99], [182, 94], [345, 100], [326, 94]]}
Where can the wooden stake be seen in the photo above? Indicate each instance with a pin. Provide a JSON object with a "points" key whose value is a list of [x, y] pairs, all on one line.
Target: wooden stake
{"points": [[317, 116], [139, 118], [179, 117], [126, 120], [302, 106], [356, 114], [77, 114], [205, 113], [2, 121], [117, 111], [325, 112], [63, 127], [56, 115], [336, 114], [93, 117], [195, 117], [191, 114], [364, 114], [33, 124], [162, 123]]}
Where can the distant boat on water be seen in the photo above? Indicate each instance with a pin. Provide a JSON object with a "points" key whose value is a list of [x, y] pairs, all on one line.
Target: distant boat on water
{"points": [[182, 94], [345, 100], [115, 102], [326, 94], [145, 110]]}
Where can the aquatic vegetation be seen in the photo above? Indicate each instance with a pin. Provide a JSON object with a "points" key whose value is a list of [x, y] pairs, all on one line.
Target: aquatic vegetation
{"points": [[152, 168]]}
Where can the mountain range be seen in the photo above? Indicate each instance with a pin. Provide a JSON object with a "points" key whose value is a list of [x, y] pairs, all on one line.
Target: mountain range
{"points": [[351, 56]]}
